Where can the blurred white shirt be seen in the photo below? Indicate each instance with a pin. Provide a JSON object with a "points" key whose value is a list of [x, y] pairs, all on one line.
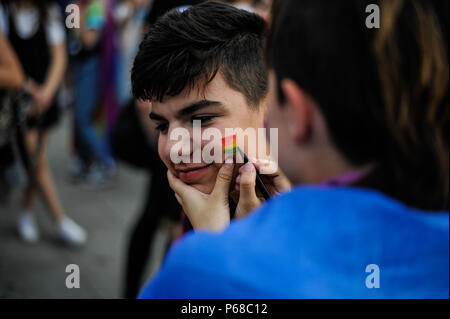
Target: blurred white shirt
{"points": [[27, 23]]}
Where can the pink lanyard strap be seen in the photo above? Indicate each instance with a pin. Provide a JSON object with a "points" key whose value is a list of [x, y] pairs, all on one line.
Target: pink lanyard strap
{"points": [[345, 179]]}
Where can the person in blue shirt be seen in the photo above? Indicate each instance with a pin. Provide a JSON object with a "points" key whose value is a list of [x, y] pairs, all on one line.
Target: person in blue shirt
{"points": [[362, 118]]}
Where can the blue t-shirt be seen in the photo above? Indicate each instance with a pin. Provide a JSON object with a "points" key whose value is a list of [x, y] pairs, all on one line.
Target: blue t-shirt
{"points": [[314, 243]]}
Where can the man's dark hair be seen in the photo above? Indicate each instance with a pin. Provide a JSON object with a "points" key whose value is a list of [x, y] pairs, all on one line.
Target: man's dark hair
{"points": [[186, 50], [383, 92]]}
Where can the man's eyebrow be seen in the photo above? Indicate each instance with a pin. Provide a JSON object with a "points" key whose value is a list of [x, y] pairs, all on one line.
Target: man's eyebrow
{"points": [[156, 117], [193, 107]]}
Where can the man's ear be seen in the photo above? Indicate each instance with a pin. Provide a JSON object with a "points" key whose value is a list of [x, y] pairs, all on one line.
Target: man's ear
{"points": [[262, 108], [300, 110]]}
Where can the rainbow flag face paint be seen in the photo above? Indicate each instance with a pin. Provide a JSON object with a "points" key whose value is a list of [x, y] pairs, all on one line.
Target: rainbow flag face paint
{"points": [[229, 145]]}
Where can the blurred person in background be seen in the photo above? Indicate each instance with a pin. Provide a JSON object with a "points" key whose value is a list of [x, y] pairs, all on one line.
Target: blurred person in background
{"points": [[242, 4], [261, 7], [94, 67], [363, 119], [11, 73], [160, 202], [11, 79], [130, 18], [36, 32]]}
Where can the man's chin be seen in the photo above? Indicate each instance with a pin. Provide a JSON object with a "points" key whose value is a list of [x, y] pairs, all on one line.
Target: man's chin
{"points": [[208, 188], [207, 183]]}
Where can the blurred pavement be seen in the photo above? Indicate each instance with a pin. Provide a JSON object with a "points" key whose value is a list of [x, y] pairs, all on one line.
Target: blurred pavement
{"points": [[38, 271]]}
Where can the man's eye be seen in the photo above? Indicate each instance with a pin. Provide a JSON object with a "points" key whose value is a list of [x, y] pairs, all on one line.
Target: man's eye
{"points": [[204, 119], [162, 128]]}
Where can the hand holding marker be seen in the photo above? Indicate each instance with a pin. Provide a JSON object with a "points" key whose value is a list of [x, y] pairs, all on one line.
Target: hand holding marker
{"points": [[230, 148]]}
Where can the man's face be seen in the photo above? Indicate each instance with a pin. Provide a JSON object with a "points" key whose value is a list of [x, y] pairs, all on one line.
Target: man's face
{"points": [[218, 107]]}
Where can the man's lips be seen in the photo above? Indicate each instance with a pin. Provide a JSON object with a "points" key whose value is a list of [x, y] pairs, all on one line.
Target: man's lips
{"points": [[189, 174]]}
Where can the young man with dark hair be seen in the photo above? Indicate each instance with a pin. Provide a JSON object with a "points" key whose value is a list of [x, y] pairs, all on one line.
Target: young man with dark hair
{"points": [[204, 64], [363, 114]]}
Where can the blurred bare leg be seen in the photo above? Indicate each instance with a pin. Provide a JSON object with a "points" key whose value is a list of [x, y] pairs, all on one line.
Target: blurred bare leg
{"points": [[44, 181], [30, 192]]}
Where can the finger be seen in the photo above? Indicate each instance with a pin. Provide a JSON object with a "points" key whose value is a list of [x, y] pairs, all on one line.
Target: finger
{"points": [[282, 183], [247, 184], [267, 179], [223, 180], [264, 163], [277, 181], [179, 199]]}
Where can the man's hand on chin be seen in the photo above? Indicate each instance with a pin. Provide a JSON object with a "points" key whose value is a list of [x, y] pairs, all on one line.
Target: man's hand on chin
{"points": [[205, 212]]}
